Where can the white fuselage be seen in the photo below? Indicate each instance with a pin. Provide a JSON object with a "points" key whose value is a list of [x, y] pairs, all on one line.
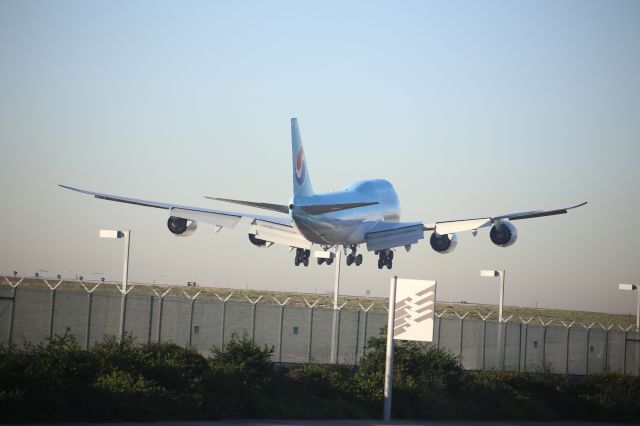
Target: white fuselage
{"points": [[347, 226]]}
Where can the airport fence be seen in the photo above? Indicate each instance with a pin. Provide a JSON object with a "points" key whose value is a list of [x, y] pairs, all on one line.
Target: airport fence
{"points": [[301, 334]]}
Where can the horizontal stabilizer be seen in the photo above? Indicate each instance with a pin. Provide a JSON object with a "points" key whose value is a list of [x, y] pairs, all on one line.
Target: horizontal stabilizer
{"points": [[328, 208], [280, 208]]}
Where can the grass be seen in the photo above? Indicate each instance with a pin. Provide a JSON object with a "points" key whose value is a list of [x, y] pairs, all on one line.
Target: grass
{"points": [[325, 301]]}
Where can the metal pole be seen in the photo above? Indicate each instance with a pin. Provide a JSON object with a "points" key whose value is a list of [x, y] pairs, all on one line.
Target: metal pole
{"points": [[12, 313], [280, 333], [519, 346], [460, 342], [191, 302], [624, 353], [526, 336], [364, 345], [439, 328], [336, 291], [161, 305], [125, 279], [500, 319], [484, 333], [357, 337], [150, 319], [310, 335], [253, 322], [52, 312], [606, 349], [544, 348], [388, 369], [566, 367], [224, 313], [90, 303], [586, 358]]}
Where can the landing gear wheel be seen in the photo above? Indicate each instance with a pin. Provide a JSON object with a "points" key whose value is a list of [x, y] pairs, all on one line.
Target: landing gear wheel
{"points": [[306, 261], [390, 255], [380, 263], [296, 261], [358, 260], [320, 260], [329, 261], [349, 260], [389, 264]]}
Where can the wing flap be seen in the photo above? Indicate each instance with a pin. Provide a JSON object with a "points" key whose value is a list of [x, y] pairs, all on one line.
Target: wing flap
{"points": [[278, 234], [388, 235]]}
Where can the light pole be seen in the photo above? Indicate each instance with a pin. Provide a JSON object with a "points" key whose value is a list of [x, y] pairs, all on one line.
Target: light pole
{"points": [[633, 287], [498, 273], [109, 233]]}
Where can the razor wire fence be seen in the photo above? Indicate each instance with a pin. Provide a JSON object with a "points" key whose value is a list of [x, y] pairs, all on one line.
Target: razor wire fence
{"points": [[304, 333]]}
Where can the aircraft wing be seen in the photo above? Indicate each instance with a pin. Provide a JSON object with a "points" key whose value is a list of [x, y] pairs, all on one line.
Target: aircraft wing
{"points": [[282, 226], [385, 235], [455, 226]]}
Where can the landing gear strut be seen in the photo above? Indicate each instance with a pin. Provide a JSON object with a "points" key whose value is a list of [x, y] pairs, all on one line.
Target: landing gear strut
{"points": [[302, 256], [385, 259], [353, 258]]}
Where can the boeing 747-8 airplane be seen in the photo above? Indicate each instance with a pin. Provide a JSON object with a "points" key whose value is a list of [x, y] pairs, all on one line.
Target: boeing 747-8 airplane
{"points": [[364, 213]]}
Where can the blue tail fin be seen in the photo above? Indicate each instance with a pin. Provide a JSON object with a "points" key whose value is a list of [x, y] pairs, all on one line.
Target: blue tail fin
{"points": [[301, 181]]}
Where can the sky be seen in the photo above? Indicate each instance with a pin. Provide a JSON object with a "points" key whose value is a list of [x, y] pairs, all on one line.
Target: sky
{"points": [[468, 108]]}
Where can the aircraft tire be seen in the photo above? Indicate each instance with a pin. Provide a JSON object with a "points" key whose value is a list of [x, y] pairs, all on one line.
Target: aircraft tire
{"points": [[329, 261], [306, 261], [380, 263], [390, 255], [349, 260], [297, 261], [320, 261], [389, 264], [358, 260]]}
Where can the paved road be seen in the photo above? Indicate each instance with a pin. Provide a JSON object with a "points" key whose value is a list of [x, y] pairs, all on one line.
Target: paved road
{"points": [[335, 422]]}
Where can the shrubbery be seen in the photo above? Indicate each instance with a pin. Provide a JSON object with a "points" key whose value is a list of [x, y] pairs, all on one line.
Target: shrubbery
{"points": [[57, 380]]}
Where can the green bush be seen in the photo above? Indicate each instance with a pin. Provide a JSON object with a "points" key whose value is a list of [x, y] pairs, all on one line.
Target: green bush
{"points": [[121, 381]]}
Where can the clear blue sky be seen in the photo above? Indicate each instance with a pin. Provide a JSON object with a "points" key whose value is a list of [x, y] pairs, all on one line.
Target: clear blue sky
{"points": [[469, 108]]}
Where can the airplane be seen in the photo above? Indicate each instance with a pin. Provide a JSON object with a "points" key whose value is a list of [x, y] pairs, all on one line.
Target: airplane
{"points": [[366, 212]]}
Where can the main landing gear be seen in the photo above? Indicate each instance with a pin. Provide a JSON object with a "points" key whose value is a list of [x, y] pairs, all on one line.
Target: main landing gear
{"points": [[353, 258], [302, 256], [385, 258]]}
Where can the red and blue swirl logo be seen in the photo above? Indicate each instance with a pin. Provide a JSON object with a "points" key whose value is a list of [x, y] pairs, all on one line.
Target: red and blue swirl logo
{"points": [[300, 166]]}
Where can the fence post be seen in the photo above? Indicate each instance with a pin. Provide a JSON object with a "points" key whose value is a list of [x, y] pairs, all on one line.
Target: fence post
{"points": [[310, 306], [439, 325], [160, 307], [568, 327], [253, 316], [586, 358], [503, 349], [13, 304], [544, 343], [150, 319], [460, 336], [336, 337], [281, 325], [224, 314], [52, 309], [364, 338], [192, 300], [484, 336], [89, 309], [526, 337]]}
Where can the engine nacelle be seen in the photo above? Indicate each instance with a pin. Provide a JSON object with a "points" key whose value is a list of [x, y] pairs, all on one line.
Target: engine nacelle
{"points": [[181, 227], [257, 241], [503, 234], [443, 243]]}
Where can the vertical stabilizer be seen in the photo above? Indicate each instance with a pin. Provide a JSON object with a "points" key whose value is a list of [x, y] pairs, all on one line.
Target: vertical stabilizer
{"points": [[301, 181]]}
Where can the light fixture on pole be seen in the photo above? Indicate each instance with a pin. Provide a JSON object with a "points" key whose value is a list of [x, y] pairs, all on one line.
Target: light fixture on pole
{"points": [[632, 287], [109, 233], [498, 273]]}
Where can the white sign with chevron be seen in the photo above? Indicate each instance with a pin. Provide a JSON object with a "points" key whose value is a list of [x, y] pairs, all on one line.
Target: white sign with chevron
{"points": [[414, 309]]}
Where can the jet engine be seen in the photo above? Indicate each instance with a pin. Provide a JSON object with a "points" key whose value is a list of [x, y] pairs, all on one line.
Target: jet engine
{"points": [[503, 234], [257, 241], [181, 227], [443, 243]]}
